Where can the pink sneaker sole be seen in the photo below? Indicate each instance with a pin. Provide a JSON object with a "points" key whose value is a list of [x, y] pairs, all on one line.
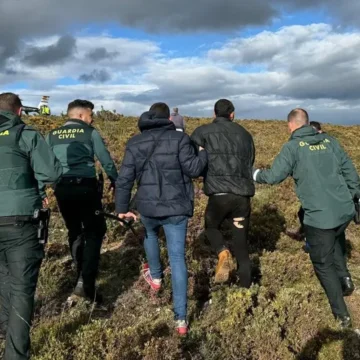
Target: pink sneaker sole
{"points": [[148, 278], [182, 331]]}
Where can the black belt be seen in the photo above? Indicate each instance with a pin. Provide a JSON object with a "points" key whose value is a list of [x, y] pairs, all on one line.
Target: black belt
{"points": [[77, 181], [12, 220]]}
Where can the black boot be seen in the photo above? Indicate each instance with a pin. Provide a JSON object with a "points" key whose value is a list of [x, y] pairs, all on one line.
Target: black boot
{"points": [[345, 321], [347, 286], [93, 295]]}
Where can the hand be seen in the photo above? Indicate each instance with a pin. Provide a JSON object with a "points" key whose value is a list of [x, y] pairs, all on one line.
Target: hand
{"points": [[201, 148], [127, 215], [112, 188], [45, 202]]}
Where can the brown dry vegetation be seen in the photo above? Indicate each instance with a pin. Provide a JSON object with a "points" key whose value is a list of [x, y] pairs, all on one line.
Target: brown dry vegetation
{"points": [[285, 314]]}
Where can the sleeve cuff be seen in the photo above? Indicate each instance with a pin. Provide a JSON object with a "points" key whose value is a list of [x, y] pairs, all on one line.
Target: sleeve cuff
{"points": [[255, 174]]}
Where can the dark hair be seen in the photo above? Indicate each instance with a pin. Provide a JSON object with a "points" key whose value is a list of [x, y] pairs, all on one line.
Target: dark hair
{"points": [[224, 108], [298, 114], [315, 125], [10, 102], [161, 110], [83, 104]]}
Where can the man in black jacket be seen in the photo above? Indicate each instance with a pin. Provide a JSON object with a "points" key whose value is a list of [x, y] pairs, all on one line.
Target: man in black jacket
{"points": [[229, 185], [163, 161]]}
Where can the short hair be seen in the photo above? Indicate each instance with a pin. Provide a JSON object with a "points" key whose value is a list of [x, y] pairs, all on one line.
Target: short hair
{"points": [[315, 125], [10, 102], [176, 110], [299, 116], [82, 104], [224, 108], [161, 110]]}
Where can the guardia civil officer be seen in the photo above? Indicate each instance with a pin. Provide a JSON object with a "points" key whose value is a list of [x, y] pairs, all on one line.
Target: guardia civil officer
{"points": [[75, 144], [326, 184], [26, 161]]}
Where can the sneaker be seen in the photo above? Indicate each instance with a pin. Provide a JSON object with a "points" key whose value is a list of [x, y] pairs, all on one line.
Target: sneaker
{"points": [[79, 289], [155, 284], [347, 285], [181, 327], [224, 267], [90, 294]]}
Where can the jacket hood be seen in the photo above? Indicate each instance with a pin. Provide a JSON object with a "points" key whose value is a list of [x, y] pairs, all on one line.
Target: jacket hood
{"points": [[309, 134], [148, 121], [8, 120]]}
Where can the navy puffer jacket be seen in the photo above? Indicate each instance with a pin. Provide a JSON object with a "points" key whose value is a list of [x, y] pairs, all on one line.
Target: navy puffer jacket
{"points": [[165, 187]]}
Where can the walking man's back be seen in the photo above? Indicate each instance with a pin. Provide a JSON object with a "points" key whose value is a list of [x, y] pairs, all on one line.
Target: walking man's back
{"points": [[75, 144], [229, 185], [326, 184], [27, 164], [163, 161], [178, 120]]}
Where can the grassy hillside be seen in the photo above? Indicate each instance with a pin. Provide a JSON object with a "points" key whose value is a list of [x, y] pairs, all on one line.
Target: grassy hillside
{"points": [[285, 314]]}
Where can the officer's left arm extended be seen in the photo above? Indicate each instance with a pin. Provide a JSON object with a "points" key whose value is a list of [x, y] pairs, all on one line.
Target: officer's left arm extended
{"points": [[47, 168], [281, 168], [103, 155], [348, 170], [124, 183]]}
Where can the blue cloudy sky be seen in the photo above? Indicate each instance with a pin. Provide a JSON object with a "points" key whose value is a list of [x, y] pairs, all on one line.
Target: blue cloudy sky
{"points": [[266, 56]]}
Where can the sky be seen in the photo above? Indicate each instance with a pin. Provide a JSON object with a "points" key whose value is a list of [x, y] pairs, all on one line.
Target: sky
{"points": [[267, 57]]}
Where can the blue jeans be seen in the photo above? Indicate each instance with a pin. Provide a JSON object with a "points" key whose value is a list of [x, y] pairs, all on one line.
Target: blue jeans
{"points": [[175, 228]]}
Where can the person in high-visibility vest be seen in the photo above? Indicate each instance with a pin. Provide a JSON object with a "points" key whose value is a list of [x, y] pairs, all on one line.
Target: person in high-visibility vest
{"points": [[44, 106]]}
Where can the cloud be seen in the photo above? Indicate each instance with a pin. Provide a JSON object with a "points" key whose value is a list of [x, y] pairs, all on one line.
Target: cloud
{"points": [[157, 16], [96, 76], [100, 53], [314, 61], [268, 46], [52, 54], [265, 75], [125, 60]]}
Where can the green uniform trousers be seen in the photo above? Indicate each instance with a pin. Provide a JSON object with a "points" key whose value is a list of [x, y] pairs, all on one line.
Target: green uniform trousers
{"points": [[20, 260], [327, 251]]}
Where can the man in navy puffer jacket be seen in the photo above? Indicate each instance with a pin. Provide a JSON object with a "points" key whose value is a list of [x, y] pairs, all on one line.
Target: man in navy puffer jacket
{"points": [[163, 161]]}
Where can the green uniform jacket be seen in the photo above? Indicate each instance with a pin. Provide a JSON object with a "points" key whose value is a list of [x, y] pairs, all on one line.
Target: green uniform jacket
{"points": [[325, 177], [27, 164], [75, 144]]}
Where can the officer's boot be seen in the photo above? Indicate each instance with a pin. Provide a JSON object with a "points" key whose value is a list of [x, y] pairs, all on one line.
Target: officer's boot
{"points": [[93, 295], [344, 321], [347, 285], [224, 267]]}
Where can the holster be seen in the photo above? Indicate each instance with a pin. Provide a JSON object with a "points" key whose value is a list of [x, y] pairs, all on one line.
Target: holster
{"points": [[357, 212], [41, 219], [100, 184]]}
